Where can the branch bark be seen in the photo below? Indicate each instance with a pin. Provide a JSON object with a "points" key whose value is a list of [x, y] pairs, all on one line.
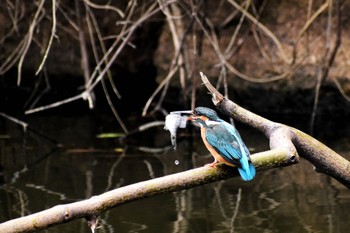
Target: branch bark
{"points": [[285, 143]]}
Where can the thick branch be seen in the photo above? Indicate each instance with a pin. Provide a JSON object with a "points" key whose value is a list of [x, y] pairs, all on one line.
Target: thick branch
{"points": [[93, 207], [323, 158]]}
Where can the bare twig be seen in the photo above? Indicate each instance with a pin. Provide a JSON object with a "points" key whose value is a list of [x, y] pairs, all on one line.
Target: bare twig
{"points": [[15, 120], [115, 112], [84, 56], [238, 27], [28, 40], [341, 90], [56, 104], [68, 18], [143, 128], [103, 47], [160, 86], [94, 49], [306, 26], [12, 58], [105, 7], [31, 102], [211, 36], [264, 29], [176, 29], [179, 57], [106, 54], [329, 57], [152, 10], [53, 33]]}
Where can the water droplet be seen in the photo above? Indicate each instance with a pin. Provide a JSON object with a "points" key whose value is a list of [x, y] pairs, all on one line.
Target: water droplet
{"points": [[177, 162]]}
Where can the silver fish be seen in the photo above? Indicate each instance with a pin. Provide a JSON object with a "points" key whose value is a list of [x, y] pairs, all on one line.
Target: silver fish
{"points": [[175, 120]]}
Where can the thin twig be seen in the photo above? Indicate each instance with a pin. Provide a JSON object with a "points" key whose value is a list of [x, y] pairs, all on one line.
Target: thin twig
{"points": [[176, 29], [264, 29], [238, 27], [106, 53], [110, 103], [103, 47], [160, 86], [12, 58], [341, 90], [105, 7], [53, 33], [56, 104], [94, 49], [152, 10], [330, 57], [15, 120], [67, 17], [28, 41], [306, 27], [84, 56], [223, 61], [180, 53], [31, 101]]}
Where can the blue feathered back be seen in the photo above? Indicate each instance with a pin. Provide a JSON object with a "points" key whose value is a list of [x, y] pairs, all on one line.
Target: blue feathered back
{"points": [[226, 140]]}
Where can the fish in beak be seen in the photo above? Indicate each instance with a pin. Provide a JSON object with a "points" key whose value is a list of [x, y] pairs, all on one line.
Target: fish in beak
{"points": [[175, 120]]}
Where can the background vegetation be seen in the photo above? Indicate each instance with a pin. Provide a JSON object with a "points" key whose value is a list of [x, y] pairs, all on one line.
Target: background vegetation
{"points": [[57, 52]]}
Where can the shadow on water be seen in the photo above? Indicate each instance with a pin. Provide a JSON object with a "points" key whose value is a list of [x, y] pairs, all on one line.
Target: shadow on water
{"points": [[38, 173]]}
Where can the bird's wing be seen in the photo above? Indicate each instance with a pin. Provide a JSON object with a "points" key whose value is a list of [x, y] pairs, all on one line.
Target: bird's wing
{"points": [[233, 131], [225, 141]]}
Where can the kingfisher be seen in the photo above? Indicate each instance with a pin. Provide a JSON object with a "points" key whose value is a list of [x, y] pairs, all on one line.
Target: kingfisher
{"points": [[223, 141]]}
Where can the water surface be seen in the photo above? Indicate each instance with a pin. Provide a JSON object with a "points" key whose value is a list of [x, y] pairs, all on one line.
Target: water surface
{"points": [[37, 174]]}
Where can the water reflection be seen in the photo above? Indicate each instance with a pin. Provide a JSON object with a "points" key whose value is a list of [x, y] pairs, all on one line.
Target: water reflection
{"points": [[38, 173]]}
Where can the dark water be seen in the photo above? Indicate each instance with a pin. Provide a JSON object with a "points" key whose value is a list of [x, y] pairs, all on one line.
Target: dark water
{"points": [[36, 175]]}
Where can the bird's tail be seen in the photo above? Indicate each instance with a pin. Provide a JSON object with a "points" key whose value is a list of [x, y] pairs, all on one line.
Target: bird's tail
{"points": [[247, 171]]}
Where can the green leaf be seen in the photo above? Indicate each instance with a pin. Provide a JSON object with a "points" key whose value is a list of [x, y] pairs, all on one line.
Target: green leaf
{"points": [[110, 135]]}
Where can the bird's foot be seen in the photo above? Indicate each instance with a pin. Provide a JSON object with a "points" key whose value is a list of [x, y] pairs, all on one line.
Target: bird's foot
{"points": [[213, 164]]}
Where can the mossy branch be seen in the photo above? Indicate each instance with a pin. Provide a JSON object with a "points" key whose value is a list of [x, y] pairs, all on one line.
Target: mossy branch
{"points": [[91, 208]]}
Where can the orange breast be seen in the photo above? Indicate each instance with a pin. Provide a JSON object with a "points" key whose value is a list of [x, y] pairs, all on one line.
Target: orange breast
{"points": [[213, 152]]}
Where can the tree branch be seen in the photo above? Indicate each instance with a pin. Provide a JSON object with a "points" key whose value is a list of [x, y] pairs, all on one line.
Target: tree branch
{"points": [[91, 208], [323, 158]]}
